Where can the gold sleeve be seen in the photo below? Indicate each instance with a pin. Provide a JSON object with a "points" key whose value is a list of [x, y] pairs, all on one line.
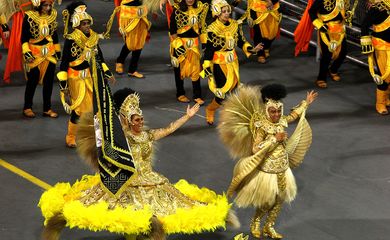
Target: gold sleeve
{"points": [[62, 76], [297, 111], [318, 23], [163, 132], [366, 44], [25, 47], [105, 68], [245, 49]]}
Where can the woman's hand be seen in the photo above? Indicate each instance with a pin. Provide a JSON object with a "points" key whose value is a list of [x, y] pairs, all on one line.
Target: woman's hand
{"points": [[311, 96], [191, 111]]}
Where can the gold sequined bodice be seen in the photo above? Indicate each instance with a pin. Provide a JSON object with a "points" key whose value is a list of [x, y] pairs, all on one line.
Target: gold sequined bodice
{"points": [[141, 147], [277, 160]]}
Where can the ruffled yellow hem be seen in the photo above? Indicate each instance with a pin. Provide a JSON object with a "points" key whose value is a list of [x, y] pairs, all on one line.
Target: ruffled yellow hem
{"points": [[63, 199]]}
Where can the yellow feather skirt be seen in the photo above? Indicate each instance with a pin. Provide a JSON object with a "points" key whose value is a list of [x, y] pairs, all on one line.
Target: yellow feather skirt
{"points": [[204, 210], [260, 189]]}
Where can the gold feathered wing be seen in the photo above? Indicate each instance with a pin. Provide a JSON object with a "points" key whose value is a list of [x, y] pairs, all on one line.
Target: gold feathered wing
{"points": [[244, 167], [299, 142], [86, 142], [236, 120]]}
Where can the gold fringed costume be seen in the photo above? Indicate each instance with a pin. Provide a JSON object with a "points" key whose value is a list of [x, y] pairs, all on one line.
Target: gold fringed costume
{"points": [[262, 177], [377, 46]]}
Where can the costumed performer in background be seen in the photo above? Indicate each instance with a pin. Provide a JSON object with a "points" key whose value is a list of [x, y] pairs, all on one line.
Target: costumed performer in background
{"points": [[220, 64], [186, 25], [377, 46], [75, 72], [134, 26], [41, 51]]}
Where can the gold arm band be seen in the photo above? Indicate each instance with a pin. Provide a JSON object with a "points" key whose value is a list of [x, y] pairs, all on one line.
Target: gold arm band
{"points": [[57, 47], [62, 76], [207, 64], [176, 43], [25, 47], [366, 43], [318, 23], [105, 68], [245, 49]]}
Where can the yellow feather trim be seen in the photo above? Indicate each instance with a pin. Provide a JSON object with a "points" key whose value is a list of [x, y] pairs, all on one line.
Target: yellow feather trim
{"points": [[97, 217], [52, 201]]}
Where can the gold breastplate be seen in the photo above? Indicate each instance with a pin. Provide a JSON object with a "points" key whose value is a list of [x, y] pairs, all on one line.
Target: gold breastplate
{"points": [[224, 36], [42, 26]]}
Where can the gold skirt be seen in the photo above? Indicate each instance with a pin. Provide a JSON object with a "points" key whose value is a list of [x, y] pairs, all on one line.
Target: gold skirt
{"points": [[260, 189]]}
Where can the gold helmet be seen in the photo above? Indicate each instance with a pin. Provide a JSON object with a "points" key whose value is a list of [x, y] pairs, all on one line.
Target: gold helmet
{"points": [[217, 5], [75, 13]]}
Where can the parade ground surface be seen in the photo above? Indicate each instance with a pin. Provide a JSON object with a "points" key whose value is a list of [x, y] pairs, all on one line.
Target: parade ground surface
{"points": [[343, 183]]}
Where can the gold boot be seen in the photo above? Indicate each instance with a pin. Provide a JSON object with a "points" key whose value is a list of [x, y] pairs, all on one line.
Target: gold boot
{"points": [[256, 222], [381, 100], [388, 97], [269, 230], [71, 135], [210, 111]]}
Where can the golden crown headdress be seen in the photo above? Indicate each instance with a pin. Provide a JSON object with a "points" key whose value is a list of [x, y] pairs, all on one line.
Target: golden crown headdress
{"points": [[79, 15], [130, 106], [217, 5], [273, 103]]}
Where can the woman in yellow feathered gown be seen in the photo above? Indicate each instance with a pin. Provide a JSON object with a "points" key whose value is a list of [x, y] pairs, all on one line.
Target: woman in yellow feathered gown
{"points": [[127, 196]]}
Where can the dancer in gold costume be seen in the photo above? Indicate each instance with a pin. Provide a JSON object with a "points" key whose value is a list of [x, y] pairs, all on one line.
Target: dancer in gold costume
{"points": [[220, 59], [134, 26], [126, 196], [262, 178], [377, 46], [75, 73], [41, 51], [186, 25]]}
